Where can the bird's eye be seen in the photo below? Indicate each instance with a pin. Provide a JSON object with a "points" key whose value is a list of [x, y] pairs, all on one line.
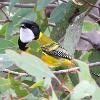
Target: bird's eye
{"points": [[32, 26], [23, 26]]}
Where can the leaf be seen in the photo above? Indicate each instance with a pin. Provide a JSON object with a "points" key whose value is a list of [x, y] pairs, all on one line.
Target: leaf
{"points": [[95, 56], [96, 95], [20, 91], [42, 3], [84, 73], [6, 44], [60, 29], [12, 3], [5, 62], [31, 64], [37, 84], [89, 26], [86, 56], [73, 34], [85, 90], [58, 13], [18, 16], [32, 97], [35, 47], [4, 84], [14, 39], [3, 29], [77, 54], [74, 78]]}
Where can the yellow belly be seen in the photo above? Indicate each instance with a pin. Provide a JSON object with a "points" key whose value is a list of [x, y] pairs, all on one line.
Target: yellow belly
{"points": [[53, 62]]}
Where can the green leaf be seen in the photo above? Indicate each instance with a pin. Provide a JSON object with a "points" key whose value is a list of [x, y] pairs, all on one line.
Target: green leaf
{"points": [[96, 95], [4, 84], [32, 97], [14, 39], [84, 73], [89, 26], [6, 44], [77, 54], [95, 56], [3, 29], [37, 84], [5, 62], [12, 3], [85, 90], [74, 78], [42, 3], [31, 64], [21, 92], [86, 56], [19, 15], [73, 34], [35, 46], [58, 13]]}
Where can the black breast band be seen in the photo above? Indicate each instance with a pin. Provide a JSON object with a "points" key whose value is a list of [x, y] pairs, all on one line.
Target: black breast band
{"points": [[22, 45]]}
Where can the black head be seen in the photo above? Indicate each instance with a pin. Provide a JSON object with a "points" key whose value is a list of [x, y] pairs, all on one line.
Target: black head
{"points": [[34, 27]]}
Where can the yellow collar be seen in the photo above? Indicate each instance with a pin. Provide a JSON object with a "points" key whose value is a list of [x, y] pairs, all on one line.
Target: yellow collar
{"points": [[40, 35]]}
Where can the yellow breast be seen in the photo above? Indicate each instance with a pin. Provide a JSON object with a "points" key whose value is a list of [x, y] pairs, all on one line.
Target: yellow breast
{"points": [[53, 62]]}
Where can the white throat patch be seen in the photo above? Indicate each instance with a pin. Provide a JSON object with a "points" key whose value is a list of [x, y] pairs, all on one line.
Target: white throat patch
{"points": [[26, 35]]}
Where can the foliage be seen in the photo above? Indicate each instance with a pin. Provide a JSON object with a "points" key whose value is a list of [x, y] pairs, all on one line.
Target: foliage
{"points": [[29, 77]]}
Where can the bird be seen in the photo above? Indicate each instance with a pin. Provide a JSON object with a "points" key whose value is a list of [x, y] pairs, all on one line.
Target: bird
{"points": [[53, 53]]}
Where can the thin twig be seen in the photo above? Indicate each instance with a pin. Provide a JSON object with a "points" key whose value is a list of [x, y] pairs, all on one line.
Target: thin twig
{"points": [[96, 46], [5, 21], [14, 73], [55, 72], [63, 86], [91, 4], [66, 70], [76, 68], [62, 83], [99, 9], [25, 5], [94, 17], [94, 64], [5, 14], [87, 39], [7, 18]]}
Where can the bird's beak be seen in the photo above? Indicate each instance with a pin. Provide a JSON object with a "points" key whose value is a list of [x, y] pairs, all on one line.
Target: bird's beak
{"points": [[23, 26]]}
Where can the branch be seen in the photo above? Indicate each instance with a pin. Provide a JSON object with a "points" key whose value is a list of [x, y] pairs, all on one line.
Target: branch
{"points": [[5, 21], [95, 45], [66, 70], [90, 4], [94, 17], [55, 72], [87, 39], [4, 14], [15, 73], [7, 18], [94, 64], [24, 5], [75, 69]]}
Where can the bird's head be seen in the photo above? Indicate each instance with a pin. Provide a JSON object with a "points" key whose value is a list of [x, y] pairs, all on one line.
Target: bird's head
{"points": [[29, 31]]}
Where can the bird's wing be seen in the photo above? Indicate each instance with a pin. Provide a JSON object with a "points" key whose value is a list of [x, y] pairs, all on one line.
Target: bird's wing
{"points": [[55, 50]]}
